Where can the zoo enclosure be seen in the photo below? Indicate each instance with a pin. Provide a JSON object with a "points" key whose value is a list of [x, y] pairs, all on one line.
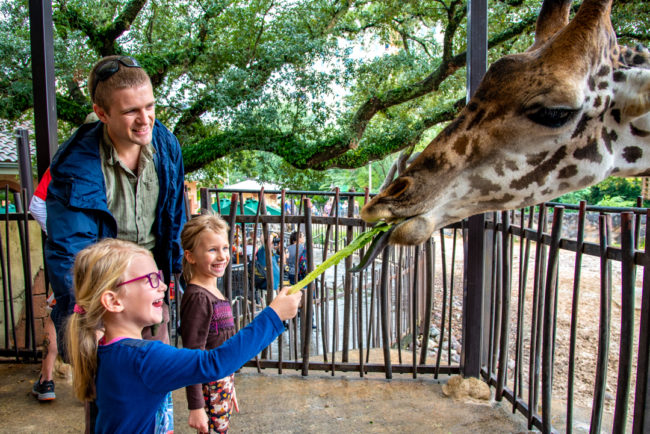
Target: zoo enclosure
{"points": [[403, 314]]}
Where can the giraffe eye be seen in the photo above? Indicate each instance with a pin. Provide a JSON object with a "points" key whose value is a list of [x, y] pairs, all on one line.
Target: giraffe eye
{"points": [[552, 117]]}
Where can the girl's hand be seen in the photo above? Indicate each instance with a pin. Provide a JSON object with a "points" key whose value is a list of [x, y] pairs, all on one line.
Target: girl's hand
{"points": [[286, 306], [199, 419]]}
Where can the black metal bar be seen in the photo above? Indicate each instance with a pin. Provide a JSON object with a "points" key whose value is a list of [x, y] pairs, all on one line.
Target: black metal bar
{"points": [[443, 267], [383, 301], [347, 288], [335, 315], [24, 163], [451, 295], [430, 259], [12, 314], [549, 318], [495, 296], [600, 382], [536, 331], [642, 392], [473, 283], [580, 237], [308, 298], [398, 295], [227, 278], [506, 266], [415, 310], [473, 299], [43, 82], [628, 276]]}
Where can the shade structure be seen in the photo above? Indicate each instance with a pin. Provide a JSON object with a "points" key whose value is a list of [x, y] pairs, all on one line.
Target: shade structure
{"points": [[250, 207]]}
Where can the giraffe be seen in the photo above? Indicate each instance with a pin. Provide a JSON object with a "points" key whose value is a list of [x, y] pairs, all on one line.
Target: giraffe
{"points": [[567, 113]]}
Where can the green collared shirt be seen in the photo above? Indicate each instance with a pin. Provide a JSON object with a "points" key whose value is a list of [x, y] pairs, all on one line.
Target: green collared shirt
{"points": [[132, 198]]}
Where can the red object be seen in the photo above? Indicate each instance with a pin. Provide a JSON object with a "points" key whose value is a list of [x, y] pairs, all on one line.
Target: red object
{"points": [[41, 189]]}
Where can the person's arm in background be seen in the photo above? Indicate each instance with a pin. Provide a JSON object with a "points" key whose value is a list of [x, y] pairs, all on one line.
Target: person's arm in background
{"points": [[37, 205]]}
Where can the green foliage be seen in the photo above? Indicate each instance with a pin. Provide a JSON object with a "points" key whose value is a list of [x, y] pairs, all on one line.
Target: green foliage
{"points": [[315, 83], [613, 192]]}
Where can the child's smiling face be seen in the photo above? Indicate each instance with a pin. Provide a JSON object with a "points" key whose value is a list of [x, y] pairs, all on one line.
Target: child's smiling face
{"points": [[210, 256], [143, 304]]}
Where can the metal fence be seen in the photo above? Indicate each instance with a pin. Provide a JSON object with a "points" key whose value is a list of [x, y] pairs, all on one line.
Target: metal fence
{"points": [[564, 327]]}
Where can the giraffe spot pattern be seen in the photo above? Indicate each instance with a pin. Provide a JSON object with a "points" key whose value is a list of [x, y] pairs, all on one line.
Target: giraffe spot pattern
{"points": [[539, 173], [498, 168], [587, 180], [598, 101], [616, 114], [632, 153], [568, 171], [511, 165], [582, 125], [484, 185], [592, 84], [608, 138], [536, 159], [589, 151], [603, 85], [619, 77], [476, 120], [603, 71], [460, 145]]}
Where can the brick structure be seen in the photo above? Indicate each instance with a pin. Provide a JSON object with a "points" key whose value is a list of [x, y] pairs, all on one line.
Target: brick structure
{"points": [[39, 298]]}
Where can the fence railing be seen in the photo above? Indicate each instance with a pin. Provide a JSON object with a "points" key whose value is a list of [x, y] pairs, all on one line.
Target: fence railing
{"points": [[566, 304]]}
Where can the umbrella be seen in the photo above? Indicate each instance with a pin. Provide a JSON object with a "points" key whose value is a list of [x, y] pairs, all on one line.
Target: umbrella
{"points": [[250, 207]]}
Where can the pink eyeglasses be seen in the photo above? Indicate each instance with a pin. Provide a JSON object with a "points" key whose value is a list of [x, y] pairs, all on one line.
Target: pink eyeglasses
{"points": [[154, 279]]}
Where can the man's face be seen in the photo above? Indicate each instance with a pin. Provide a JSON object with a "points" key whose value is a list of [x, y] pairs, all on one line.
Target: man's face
{"points": [[130, 116]]}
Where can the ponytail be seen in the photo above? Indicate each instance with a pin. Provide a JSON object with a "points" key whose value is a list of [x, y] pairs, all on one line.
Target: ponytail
{"points": [[97, 269]]}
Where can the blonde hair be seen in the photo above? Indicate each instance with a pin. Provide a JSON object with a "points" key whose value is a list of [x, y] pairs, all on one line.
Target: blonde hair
{"points": [[124, 78], [193, 230], [97, 269]]}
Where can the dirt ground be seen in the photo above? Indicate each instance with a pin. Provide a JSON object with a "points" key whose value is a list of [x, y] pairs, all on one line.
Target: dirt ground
{"points": [[282, 404], [588, 314]]}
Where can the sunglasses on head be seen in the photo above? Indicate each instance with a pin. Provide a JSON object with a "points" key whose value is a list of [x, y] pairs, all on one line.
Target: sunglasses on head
{"points": [[107, 69]]}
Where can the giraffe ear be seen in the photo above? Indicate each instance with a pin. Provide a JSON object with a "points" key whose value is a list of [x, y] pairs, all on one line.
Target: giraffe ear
{"points": [[553, 17], [635, 101]]}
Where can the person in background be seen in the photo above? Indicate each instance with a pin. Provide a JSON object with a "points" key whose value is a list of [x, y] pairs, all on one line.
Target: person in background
{"points": [[206, 318], [295, 252], [118, 287]]}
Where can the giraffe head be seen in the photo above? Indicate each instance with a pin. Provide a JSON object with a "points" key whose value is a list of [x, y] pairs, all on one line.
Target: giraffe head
{"points": [[567, 113]]}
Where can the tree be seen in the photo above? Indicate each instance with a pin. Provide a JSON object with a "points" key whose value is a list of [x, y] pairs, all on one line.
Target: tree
{"points": [[302, 80]]}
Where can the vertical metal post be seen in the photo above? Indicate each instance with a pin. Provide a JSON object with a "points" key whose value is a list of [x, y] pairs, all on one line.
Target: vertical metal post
{"points": [[474, 285], [42, 45], [24, 163]]}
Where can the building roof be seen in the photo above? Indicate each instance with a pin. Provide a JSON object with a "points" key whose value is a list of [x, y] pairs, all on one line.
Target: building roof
{"points": [[8, 151], [250, 184]]}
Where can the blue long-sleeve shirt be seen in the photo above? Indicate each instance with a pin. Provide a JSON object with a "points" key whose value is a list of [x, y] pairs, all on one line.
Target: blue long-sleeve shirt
{"points": [[134, 375]]}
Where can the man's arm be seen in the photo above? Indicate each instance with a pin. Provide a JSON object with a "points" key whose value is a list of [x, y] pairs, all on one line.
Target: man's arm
{"points": [[70, 230], [179, 217]]}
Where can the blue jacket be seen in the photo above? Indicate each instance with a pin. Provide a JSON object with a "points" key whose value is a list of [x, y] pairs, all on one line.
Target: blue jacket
{"points": [[78, 214]]}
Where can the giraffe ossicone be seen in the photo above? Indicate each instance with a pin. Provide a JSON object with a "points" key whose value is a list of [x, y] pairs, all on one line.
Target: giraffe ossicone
{"points": [[565, 114]]}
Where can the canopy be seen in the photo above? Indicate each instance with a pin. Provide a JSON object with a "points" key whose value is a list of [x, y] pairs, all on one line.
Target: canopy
{"points": [[250, 207]]}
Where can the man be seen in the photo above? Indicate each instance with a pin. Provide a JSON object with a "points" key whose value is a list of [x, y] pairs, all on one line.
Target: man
{"points": [[121, 177]]}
